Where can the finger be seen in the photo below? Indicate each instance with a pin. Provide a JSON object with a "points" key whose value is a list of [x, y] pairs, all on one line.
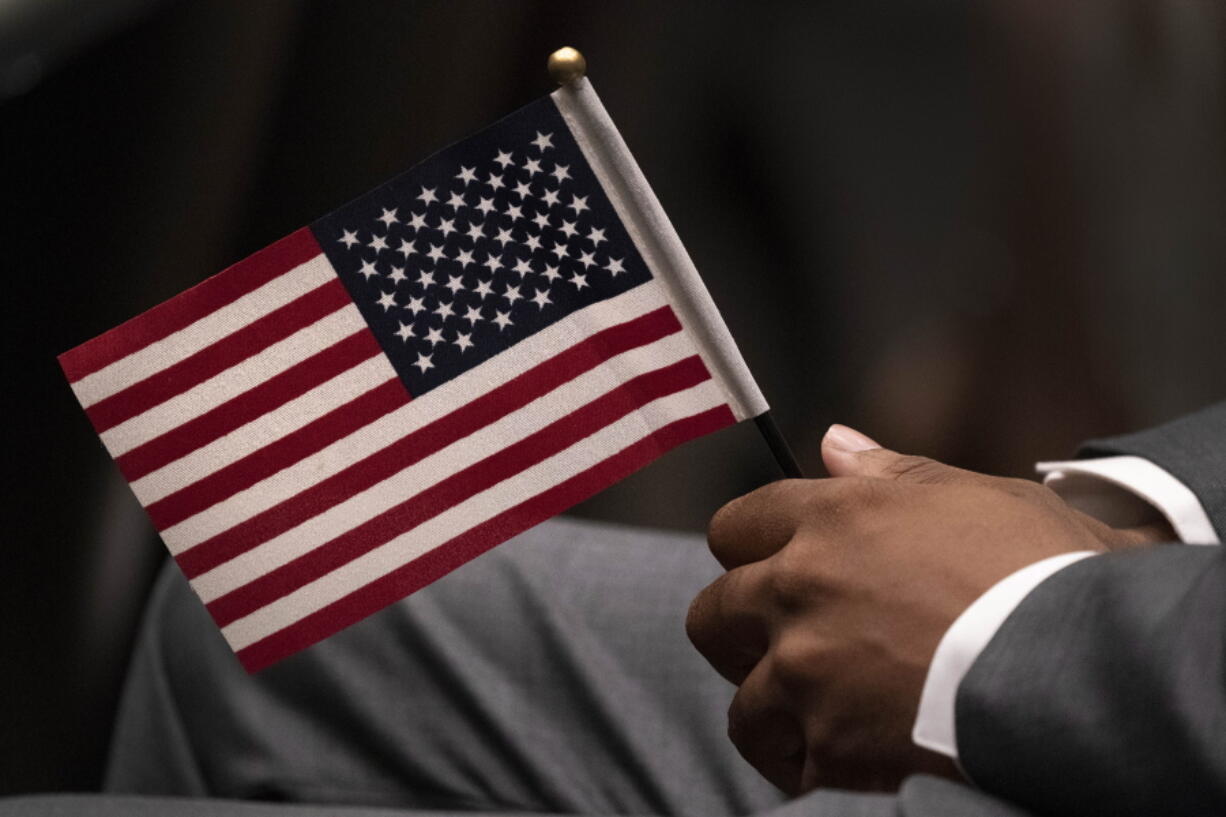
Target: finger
{"points": [[727, 622], [848, 453], [838, 444], [755, 526], [765, 731]]}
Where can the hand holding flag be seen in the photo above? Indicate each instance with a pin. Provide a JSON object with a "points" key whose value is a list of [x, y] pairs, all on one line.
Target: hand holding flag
{"points": [[475, 346]]}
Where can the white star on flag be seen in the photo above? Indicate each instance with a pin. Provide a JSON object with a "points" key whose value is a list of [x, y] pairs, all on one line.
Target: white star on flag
{"points": [[434, 336]]}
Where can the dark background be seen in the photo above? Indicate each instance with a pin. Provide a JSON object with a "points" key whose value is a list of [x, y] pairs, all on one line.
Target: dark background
{"points": [[980, 231]]}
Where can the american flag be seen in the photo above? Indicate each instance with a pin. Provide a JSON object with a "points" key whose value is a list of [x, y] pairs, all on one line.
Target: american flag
{"points": [[365, 405]]}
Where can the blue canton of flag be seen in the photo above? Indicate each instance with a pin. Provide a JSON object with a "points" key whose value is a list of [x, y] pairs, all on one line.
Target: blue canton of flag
{"points": [[480, 246]]}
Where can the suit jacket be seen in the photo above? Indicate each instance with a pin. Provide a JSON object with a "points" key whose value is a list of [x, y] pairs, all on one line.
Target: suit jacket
{"points": [[1104, 692]]}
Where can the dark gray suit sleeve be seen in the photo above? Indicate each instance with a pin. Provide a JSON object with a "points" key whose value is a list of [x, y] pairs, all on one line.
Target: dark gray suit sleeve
{"points": [[1105, 691]]}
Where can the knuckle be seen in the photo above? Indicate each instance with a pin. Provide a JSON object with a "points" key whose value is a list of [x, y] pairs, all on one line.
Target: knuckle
{"points": [[698, 619], [719, 524], [789, 584], [739, 724], [1021, 487], [796, 662], [923, 470], [733, 515]]}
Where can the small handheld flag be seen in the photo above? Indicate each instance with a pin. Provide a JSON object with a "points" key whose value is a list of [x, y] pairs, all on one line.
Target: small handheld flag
{"points": [[480, 343]]}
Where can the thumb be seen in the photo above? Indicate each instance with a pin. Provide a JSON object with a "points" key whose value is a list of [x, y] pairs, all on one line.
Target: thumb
{"points": [[848, 453], [841, 449]]}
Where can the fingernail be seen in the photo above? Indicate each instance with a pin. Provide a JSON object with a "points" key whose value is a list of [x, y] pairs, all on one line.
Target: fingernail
{"points": [[848, 439]]}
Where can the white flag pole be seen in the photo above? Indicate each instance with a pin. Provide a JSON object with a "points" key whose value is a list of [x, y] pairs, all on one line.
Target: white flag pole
{"points": [[661, 248]]}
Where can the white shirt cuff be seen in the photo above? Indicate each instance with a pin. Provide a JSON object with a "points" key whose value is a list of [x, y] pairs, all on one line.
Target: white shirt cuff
{"points": [[1120, 491], [962, 643]]}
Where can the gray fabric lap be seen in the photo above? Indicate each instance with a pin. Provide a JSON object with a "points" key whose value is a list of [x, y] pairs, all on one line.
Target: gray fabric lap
{"points": [[551, 674]]}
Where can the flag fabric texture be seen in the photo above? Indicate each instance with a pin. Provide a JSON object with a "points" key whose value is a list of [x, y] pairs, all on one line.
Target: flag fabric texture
{"points": [[363, 406]]}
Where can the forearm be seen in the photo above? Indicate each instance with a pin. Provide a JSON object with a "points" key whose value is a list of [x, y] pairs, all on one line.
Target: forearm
{"points": [[1105, 689]]}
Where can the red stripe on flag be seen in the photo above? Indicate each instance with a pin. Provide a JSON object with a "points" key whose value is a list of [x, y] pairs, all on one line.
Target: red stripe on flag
{"points": [[284, 452], [400, 454], [442, 560], [185, 309], [238, 411], [219, 356], [536, 447]]}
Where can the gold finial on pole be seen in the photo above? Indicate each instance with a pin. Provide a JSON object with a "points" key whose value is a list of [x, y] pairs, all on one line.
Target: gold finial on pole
{"points": [[566, 65]]}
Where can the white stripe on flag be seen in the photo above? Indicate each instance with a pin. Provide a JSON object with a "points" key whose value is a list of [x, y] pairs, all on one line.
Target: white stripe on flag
{"points": [[265, 429], [422, 410], [208, 330], [423, 474], [463, 516], [234, 381]]}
